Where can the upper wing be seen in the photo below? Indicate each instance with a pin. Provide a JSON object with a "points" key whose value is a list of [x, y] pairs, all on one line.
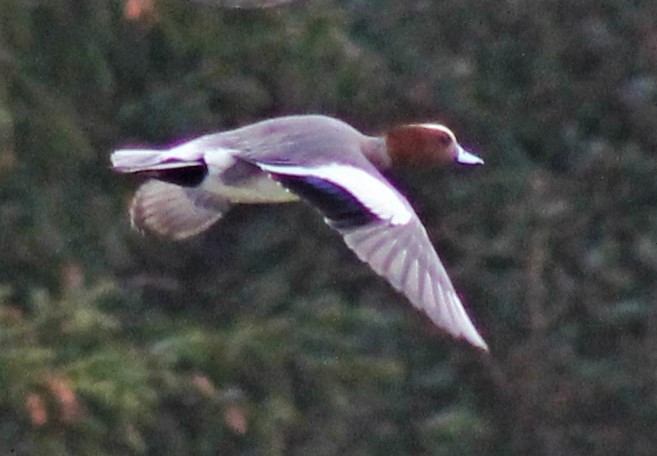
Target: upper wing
{"points": [[380, 226]]}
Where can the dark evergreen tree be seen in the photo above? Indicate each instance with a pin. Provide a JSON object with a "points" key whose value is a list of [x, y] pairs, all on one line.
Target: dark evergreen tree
{"points": [[267, 336]]}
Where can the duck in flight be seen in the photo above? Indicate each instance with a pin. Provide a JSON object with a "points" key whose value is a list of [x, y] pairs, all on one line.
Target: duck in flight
{"points": [[329, 164]]}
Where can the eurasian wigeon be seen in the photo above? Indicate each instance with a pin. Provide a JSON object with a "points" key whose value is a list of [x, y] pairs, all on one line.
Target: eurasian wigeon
{"points": [[325, 162]]}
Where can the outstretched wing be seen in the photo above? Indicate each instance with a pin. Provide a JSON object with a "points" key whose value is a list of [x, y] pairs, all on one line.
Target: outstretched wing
{"points": [[404, 255], [380, 226]]}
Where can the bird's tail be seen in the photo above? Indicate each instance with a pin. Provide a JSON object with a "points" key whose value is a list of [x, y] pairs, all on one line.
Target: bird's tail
{"points": [[165, 165], [139, 160]]}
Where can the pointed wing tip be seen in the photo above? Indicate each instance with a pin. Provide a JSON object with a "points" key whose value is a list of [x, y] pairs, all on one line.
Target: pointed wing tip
{"points": [[468, 331], [422, 280], [459, 324], [478, 342]]}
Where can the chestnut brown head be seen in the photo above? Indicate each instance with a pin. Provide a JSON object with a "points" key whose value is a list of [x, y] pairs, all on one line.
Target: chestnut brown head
{"points": [[426, 144]]}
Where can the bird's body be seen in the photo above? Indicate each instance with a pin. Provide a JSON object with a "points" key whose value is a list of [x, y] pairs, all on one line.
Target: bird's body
{"points": [[326, 162]]}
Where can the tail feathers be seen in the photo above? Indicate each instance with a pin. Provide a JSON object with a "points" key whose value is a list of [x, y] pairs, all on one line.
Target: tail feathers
{"points": [[174, 212], [144, 160], [135, 160], [161, 165]]}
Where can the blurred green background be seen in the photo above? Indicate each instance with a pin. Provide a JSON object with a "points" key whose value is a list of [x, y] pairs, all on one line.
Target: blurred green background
{"points": [[267, 336]]}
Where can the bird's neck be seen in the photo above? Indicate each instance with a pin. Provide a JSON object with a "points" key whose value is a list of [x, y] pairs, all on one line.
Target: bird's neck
{"points": [[376, 151]]}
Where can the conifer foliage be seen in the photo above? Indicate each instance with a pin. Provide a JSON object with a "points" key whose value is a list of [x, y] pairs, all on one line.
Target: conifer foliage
{"points": [[266, 336]]}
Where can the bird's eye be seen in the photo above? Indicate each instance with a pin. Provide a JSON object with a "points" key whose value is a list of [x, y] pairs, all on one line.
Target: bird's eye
{"points": [[444, 139]]}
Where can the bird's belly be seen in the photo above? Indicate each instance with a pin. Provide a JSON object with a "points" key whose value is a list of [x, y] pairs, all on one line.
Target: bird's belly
{"points": [[254, 189]]}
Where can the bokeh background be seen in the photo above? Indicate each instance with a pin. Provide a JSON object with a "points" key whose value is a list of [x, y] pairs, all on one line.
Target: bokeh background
{"points": [[266, 336]]}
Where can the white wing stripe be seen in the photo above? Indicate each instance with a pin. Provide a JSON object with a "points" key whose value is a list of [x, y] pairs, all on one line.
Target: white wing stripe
{"points": [[374, 194]]}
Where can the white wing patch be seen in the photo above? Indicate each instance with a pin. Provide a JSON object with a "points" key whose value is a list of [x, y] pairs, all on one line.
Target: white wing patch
{"points": [[377, 196]]}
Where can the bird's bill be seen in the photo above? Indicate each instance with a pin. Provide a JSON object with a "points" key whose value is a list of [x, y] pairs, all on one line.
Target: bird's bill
{"points": [[466, 158]]}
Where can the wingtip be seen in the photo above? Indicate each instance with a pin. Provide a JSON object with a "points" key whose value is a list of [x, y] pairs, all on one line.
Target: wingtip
{"points": [[471, 335], [479, 343]]}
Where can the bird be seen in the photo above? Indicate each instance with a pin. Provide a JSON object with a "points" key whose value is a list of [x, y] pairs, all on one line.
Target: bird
{"points": [[329, 164]]}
